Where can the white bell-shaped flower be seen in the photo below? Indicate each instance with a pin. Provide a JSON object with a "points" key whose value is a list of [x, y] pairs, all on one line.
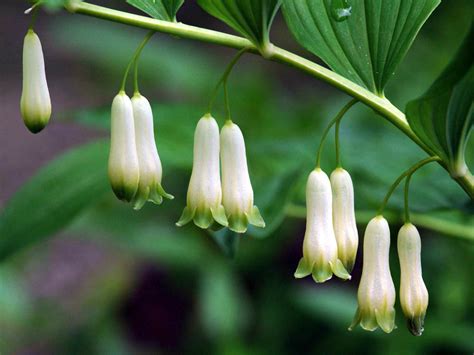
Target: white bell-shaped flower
{"points": [[35, 102], [413, 292], [319, 246], [343, 216], [123, 169], [204, 199], [149, 186], [376, 295], [237, 192]]}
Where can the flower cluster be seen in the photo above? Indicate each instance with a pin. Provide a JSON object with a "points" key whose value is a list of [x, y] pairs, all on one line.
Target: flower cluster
{"points": [[135, 170], [230, 204], [331, 238]]}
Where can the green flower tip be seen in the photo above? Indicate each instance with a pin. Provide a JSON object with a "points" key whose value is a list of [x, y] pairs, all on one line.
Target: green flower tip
{"points": [[239, 223], [203, 218], [124, 192], [321, 273], [154, 195], [416, 325], [372, 320]]}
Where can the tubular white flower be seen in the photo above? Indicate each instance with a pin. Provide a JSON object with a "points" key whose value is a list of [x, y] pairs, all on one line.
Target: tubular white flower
{"points": [[123, 161], [413, 292], [204, 199], [149, 186], [376, 295], [319, 245], [35, 102], [343, 214], [237, 192]]}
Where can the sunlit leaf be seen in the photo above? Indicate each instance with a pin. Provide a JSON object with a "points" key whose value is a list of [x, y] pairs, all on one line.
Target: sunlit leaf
{"points": [[443, 117], [53, 197], [363, 40], [160, 9]]}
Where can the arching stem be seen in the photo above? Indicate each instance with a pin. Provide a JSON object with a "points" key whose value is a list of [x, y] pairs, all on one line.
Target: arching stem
{"points": [[408, 172], [134, 59], [336, 119], [223, 80]]}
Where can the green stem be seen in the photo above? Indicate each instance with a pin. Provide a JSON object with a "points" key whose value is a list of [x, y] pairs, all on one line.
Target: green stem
{"points": [[338, 150], [134, 60], [34, 14], [408, 172], [223, 80], [380, 104], [337, 118], [407, 190]]}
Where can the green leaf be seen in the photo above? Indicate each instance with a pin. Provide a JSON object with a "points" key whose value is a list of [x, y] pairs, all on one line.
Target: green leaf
{"points": [[363, 40], [443, 117], [160, 9], [53, 197], [251, 18]]}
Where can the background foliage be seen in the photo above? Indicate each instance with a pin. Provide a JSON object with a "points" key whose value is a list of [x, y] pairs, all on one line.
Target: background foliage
{"points": [[84, 273]]}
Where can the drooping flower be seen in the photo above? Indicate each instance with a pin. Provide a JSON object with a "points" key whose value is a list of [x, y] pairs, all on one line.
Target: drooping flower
{"points": [[123, 169], [204, 198], [343, 214], [35, 101], [237, 192], [149, 186], [413, 292], [376, 295], [319, 245]]}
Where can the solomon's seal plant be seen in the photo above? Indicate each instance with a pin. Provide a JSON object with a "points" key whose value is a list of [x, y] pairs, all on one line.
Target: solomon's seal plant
{"points": [[151, 171], [204, 199], [124, 169], [413, 292], [376, 294], [360, 61], [237, 192], [35, 101], [320, 257]]}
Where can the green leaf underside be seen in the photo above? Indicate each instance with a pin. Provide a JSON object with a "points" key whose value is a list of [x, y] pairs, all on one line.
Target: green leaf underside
{"points": [[443, 117], [159, 9], [251, 18], [53, 197], [365, 47]]}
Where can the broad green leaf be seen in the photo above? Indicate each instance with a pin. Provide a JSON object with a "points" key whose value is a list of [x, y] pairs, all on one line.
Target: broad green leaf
{"points": [[443, 117], [363, 40], [251, 18], [53, 197], [160, 9], [223, 305]]}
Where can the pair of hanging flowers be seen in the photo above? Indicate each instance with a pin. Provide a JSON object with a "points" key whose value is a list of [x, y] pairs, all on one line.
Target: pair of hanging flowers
{"points": [[230, 203], [134, 167]]}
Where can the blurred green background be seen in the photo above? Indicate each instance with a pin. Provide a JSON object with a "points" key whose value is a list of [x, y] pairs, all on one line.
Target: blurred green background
{"points": [[82, 273]]}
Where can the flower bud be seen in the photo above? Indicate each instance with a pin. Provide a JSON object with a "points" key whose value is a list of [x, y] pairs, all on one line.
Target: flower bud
{"points": [[204, 199], [413, 292], [35, 102], [123, 161], [149, 186], [237, 192], [343, 217], [319, 245], [376, 295]]}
